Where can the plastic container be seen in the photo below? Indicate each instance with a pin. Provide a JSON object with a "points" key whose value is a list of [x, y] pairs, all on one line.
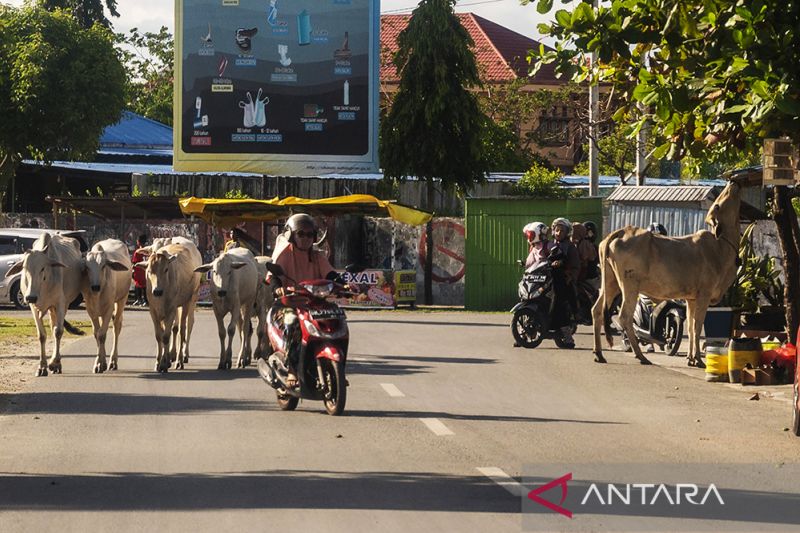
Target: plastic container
{"points": [[741, 352], [717, 363]]}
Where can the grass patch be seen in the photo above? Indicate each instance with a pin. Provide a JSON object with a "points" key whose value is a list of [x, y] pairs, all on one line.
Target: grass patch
{"points": [[12, 328]]}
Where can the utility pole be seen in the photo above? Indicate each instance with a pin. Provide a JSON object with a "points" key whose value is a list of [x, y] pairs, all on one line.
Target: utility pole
{"points": [[641, 153], [594, 115]]}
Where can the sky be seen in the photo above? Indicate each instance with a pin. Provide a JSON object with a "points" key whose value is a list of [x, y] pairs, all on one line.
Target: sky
{"points": [[150, 15]]}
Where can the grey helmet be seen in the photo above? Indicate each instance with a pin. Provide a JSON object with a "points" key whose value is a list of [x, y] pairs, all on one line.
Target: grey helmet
{"points": [[297, 221], [561, 221]]}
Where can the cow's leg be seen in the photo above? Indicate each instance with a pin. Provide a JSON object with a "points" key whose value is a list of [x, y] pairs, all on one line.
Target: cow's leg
{"points": [[219, 315], [157, 330], [42, 333], [100, 339], [119, 307], [188, 325], [261, 335], [173, 345], [231, 330], [699, 316], [690, 311], [57, 324], [168, 331], [181, 321], [630, 297], [245, 332]]}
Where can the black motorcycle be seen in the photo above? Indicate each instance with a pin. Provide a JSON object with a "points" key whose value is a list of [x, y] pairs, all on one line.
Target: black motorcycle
{"points": [[659, 324], [531, 323]]}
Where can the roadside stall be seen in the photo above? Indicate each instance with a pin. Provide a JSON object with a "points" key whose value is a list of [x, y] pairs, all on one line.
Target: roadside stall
{"points": [[378, 288]]}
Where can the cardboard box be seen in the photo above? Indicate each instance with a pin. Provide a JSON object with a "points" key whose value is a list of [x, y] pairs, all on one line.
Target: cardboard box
{"points": [[757, 376]]}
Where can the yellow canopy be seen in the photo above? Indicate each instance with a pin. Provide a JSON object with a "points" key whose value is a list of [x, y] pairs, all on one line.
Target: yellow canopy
{"points": [[228, 212]]}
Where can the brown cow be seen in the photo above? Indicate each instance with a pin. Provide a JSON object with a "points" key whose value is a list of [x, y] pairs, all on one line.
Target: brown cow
{"points": [[697, 268]]}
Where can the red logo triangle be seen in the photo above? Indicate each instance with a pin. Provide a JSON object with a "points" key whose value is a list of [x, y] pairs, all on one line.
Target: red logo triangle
{"points": [[562, 482]]}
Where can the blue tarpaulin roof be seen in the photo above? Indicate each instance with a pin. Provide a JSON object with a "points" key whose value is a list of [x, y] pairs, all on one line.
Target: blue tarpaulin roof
{"points": [[136, 131]]}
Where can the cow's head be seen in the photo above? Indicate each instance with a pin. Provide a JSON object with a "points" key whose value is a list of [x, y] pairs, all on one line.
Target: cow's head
{"points": [[93, 266], [724, 212], [37, 270], [158, 266], [222, 269]]}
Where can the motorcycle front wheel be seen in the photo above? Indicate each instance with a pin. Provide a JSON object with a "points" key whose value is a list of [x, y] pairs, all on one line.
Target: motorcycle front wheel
{"points": [[335, 387], [527, 328], [287, 402], [673, 333]]}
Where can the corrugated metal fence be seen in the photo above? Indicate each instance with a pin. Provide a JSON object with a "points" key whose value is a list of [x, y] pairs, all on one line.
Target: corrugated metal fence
{"points": [[494, 242]]}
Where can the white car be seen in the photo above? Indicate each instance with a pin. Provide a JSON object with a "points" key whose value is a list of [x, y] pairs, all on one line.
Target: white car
{"points": [[13, 243]]}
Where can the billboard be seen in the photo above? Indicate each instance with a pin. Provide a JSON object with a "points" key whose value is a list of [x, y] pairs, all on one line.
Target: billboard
{"points": [[282, 87]]}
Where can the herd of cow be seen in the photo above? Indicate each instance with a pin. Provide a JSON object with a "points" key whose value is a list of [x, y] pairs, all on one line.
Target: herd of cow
{"points": [[55, 273]]}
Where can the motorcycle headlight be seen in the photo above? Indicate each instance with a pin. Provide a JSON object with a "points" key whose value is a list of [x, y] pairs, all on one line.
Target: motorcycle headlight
{"points": [[319, 290]]}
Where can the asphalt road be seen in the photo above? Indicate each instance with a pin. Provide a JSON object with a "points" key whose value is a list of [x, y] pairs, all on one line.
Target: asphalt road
{"points": [[441, 408]]}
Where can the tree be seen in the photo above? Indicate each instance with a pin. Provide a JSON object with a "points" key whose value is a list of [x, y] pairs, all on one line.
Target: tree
{"points": [[60, 86], [86, 11], [616, 155], [710, 75], [434, 127], [150, 62]]}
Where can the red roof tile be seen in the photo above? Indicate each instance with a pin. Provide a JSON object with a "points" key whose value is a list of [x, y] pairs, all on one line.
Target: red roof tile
{"points": [[501, 53]]}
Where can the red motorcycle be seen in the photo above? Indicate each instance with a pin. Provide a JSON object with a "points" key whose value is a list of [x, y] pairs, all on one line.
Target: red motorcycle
{"points": [[320, 342]]}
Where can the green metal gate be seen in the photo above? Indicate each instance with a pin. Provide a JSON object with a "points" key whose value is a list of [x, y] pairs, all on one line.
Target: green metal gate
{"points": [[494, 242]]}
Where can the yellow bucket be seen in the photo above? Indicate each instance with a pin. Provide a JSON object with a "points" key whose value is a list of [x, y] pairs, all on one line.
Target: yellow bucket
{"points": [[741, 352], [716, 363]]}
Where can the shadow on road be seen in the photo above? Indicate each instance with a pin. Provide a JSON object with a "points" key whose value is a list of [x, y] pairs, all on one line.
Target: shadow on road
{"points": [[382, 368], [96, 403], [255, 490], [204, 374], [479, 418]]}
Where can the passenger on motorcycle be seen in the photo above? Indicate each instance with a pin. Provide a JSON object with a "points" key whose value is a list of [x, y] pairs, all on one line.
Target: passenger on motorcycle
{"points": [[538, 243], [587, 253], [300, 261], [593, 268], [566, 266]]}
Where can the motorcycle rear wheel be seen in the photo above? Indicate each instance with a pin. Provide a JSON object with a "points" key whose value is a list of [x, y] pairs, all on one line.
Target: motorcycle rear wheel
{"points": [[527, 329], [287, 402], [336, 385], [673, 333]]}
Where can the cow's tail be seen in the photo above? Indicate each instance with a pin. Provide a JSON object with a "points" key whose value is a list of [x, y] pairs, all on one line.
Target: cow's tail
{"points": [[72, 329]]}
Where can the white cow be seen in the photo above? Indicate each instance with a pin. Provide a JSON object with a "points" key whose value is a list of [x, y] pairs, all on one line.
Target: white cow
{"points": [[105, 284], [51, 280], [172, 285], [234, 285], [264, 299]]}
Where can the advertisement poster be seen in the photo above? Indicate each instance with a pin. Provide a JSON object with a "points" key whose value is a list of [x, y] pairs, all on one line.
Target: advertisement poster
{"points": [[285, 87], [381, 289]]}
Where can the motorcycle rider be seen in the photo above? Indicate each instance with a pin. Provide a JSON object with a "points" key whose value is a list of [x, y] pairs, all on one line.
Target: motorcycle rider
{"points": [[299, 261], [566, 266], [587, 253], [538, 244]]}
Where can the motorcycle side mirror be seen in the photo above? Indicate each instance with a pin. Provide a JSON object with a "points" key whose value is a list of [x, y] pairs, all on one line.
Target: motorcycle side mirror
{"points": [[274, 269]]}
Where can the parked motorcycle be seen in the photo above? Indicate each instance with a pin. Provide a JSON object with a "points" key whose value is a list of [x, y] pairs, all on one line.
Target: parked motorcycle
{"points": [[321, 342], [531, 323], [661, 324]]}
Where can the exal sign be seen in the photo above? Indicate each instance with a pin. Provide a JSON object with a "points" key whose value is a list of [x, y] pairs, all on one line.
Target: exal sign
{"points": [[276, 86]]}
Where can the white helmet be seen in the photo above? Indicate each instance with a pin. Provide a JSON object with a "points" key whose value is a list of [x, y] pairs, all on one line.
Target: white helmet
{"points": [[535, 232], [561, 221]]}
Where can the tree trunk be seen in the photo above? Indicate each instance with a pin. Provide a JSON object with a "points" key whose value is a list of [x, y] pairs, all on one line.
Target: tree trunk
{"points": [[429, 249], [789, 235]]}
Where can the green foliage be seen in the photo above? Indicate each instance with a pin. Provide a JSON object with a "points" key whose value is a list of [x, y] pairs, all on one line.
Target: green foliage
{"points": [[136, 192], [616, 155], [756, 278], [60, 86], [541, 181], [717, 163], [150, 62], [87, 12], [706, 71], [234, 194], [434, 127]]}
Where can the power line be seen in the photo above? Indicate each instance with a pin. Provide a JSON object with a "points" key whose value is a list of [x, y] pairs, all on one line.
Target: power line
{"points": [[403, 9]]}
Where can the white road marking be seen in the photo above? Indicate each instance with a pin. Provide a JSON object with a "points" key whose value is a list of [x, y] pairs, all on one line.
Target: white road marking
{"points": [[392, 391], [503, 479], [435, 425]]}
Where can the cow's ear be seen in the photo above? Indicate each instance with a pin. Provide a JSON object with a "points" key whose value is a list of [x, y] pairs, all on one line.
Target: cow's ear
{"points": [[203, 268], [116, 265], [46, 238], [236, 265], [14, 269], [57, 264], [141, 264]]}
